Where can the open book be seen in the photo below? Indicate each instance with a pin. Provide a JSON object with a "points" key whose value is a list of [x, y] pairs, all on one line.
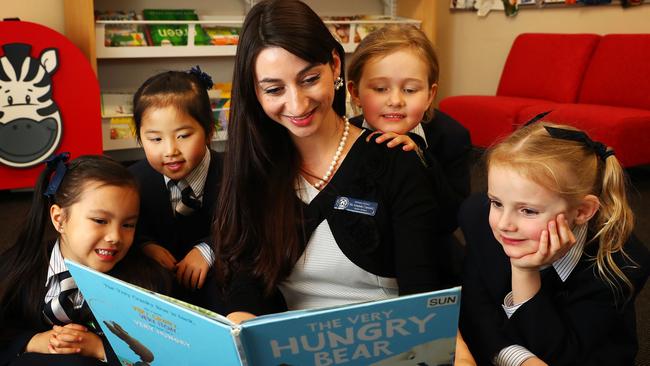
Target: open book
{"points": [[145, 328]]}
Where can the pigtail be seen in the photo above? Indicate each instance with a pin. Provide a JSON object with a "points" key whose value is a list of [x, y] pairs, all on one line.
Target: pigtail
{"points": [[614, 225], [22, 263]]}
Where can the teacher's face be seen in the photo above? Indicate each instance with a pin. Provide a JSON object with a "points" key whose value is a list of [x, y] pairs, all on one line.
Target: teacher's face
{"points": [[293, 92]]}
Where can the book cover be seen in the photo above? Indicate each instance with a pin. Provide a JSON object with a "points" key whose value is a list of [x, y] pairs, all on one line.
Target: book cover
{"points": [[145, 327]]}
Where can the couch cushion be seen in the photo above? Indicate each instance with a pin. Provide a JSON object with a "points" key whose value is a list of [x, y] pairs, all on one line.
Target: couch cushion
{"points": [[547, 66], [624, 129], [619, 72], [486, 117]]}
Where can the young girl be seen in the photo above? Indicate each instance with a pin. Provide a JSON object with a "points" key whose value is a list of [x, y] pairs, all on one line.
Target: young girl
{"points": [[393, 77], [179, 179], [93, 205], [552, 268], [307, 205]]}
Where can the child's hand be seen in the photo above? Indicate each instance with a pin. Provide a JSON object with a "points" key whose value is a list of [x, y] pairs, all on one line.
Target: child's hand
{"points": [[192, 270], [395, 140], [76, 339], [554, 243], [39, 343], [534, 361], [160, 255], [239, 316]]}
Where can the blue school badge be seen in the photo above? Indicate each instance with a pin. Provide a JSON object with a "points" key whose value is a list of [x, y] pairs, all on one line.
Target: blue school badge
{"points": [[355, 205]]}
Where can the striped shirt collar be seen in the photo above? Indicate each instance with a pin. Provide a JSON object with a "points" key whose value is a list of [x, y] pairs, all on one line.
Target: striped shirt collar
{"points": [[418, 130], [196, 178], [57, 265], [565, 265]]}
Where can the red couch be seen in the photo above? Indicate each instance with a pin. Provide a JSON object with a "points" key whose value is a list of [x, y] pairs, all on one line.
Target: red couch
{"points": [[600, 84]]}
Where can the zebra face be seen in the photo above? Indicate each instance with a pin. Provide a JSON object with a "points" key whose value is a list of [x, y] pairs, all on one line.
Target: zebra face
{"points": [[30, 122]]}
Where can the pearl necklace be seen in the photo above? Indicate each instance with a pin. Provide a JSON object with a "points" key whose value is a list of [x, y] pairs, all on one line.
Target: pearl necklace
{"points": [[337, 155]]}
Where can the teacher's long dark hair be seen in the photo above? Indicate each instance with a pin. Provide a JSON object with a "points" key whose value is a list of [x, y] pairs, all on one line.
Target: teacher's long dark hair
{"points": [[258, 223]]}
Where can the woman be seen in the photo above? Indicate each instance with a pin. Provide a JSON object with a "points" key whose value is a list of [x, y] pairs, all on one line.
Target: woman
{"points": [[307, 205]]}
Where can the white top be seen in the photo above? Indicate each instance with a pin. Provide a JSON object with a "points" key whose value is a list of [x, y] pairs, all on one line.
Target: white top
{"points": [[324, 276]]}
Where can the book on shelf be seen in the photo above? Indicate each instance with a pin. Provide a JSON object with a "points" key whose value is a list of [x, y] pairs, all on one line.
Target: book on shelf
{"points": [[122, 35], [145, 327], [173, 34]]}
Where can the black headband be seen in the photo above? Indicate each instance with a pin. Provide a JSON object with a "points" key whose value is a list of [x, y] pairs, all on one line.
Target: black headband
{"points": [[579, 136]]}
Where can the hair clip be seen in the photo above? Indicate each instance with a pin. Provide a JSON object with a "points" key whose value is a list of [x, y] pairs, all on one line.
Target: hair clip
{"points": [[537, 118], [205, 79], [579, 136], [58, 164]]}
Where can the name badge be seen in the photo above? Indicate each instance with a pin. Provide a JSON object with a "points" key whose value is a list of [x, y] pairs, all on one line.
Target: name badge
{"points": [[356, 205]]}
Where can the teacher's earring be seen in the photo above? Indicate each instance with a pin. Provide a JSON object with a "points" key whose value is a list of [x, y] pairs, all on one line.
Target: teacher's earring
{"points": [[338, 83]]}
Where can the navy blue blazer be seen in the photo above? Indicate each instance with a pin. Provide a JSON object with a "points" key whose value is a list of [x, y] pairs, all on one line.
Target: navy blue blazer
{"points": [[157, 222], [576, 322]]}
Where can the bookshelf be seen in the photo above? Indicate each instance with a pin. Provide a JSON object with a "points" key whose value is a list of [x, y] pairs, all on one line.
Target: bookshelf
{"points": [[123, 69]]}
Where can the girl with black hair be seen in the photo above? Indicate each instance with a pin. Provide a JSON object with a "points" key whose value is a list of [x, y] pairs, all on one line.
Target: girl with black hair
{"points": [[93, 205]]}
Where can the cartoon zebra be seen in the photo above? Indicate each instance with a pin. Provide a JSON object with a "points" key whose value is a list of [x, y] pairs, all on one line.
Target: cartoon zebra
{"points": [[30, 122]]}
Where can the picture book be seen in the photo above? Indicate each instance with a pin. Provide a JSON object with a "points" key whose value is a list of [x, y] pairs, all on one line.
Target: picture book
{"points": [[145, 328]]}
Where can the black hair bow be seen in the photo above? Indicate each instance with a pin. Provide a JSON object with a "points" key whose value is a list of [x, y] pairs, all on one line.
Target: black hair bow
{"points": [[205, 79], [58, 164], [537, 118], [579, 136]]}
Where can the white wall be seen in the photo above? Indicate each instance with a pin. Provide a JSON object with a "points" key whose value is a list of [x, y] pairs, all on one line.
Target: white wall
{"points": [[472, 50], [45, 12]]}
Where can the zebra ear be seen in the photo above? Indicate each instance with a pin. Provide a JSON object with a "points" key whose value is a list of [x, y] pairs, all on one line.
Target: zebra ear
{"points": [[49, 60]]}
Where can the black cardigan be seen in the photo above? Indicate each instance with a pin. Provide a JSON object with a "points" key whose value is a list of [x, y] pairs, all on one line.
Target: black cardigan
{"points": [[399, 241], [447, 157], [157, 223], [576, 322]]}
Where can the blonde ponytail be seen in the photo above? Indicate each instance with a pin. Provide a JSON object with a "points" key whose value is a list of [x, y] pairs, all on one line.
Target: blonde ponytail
{"points": [[614, 224]]}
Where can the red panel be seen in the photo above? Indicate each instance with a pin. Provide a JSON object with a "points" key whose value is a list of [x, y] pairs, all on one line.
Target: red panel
{"points": [[626, 130], [547, 66], [487, 118], [75, 91], [619, 72]]}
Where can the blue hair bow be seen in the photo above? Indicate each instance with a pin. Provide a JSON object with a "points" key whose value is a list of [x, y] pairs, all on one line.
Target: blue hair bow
{"points": [[58, 164], [205, 79]]}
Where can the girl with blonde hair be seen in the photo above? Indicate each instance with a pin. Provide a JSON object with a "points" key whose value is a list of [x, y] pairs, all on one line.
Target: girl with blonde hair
{"points": [[552, 267]]}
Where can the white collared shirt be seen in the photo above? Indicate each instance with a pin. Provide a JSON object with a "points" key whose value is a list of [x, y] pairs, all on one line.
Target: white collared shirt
{"points": [[56, 266], [196, 180], [418, 130]]}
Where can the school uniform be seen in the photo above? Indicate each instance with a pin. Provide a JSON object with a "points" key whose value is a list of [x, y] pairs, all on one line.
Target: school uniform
{"points": [[376, 220], [17, 329], [574, 319], [158, 222], [446, 147]]}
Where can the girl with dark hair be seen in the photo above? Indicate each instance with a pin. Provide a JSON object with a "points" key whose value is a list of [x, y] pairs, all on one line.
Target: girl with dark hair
{"points": [[179, 179], [93, 205], [307, 206]]}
